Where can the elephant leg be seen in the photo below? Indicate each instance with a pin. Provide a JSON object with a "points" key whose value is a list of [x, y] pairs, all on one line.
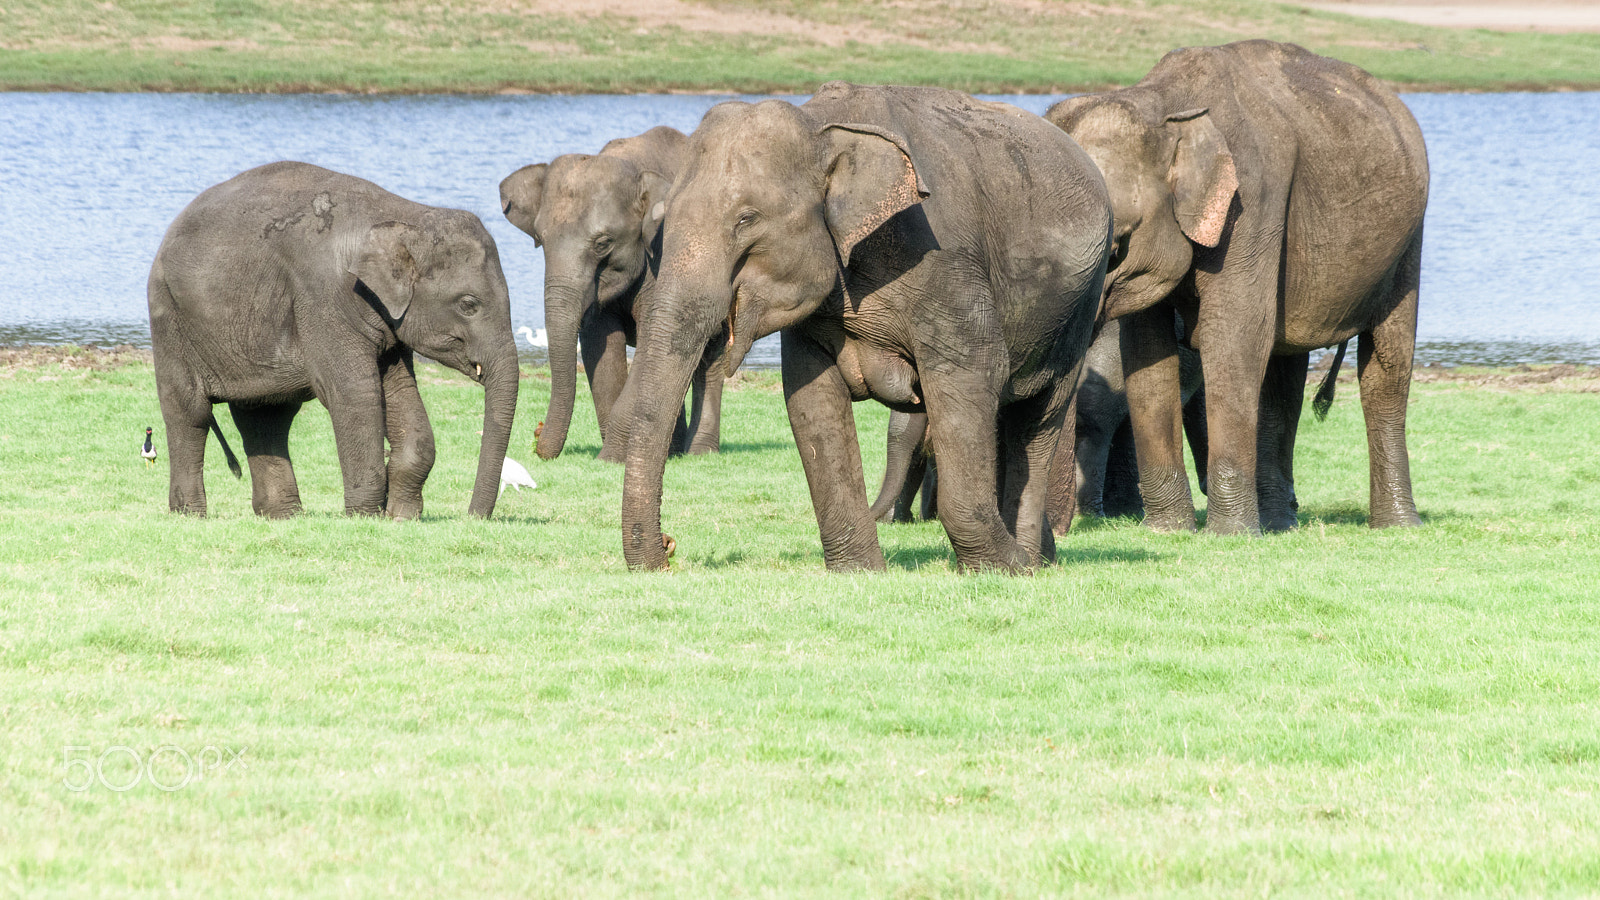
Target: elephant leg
{"points": [[603, 345], [411, 450], [186, 415], [963, 415], [1150, 367], [1283, 393], [355, 404], [1061, 503], [824, 428], [264, 431], [1119, 494], [1383, 365], [1194, 428], [905, 463], [705, 420], [930, 488], [1029, 431]]}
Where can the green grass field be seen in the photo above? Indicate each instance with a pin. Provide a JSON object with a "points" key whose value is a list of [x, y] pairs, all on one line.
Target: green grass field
{"points": [[451, 707], [728, 45]]}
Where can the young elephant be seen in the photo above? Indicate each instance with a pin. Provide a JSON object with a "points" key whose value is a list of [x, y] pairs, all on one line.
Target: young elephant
{"points": [[1274, 198], [598, 219], [913, 245], [1102, 478], [290, 282]]}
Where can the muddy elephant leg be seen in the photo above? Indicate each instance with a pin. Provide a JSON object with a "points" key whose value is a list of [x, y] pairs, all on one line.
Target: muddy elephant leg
{"points": [[603, 345], [411, 450], [1030, 430], [355, 404], [824, 428], [905, 465], [264, 431], [963, 414], [1150, 368], [1283, 393], [1383, 365]]}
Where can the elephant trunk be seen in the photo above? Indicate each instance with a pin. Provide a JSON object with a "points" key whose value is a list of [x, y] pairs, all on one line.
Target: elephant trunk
{"points": [[669, 350], [499, 409], [565, 302]]}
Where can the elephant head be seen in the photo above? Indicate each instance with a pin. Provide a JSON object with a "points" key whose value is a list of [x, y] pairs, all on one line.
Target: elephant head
{"points": [[597, 218], [437, 283], [763, 219], [1171, 180]]}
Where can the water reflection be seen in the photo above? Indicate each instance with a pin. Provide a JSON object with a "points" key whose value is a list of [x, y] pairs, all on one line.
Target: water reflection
{"points": [[89, 182]]}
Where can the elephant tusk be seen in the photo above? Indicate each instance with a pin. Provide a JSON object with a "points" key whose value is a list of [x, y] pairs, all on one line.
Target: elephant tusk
{"points": [[480, 370]]}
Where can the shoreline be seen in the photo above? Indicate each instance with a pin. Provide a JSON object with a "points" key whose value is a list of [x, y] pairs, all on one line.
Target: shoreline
{"points": [[1565, 377]]}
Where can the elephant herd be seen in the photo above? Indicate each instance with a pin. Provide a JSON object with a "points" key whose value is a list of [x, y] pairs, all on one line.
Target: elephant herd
{"points": [[1133, 265]]}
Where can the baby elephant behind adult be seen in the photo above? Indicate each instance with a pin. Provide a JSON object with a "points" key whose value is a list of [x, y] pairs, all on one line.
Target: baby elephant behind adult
{"points": [[598, 219], [1274, 199], [289, 282]]}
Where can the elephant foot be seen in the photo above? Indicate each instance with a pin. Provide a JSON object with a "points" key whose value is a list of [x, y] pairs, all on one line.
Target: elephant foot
{"points": [[283, 511], [701, 448], [1277, 523], [405, 511], [612, 454], [1227, 525], [1170, 523], [1395, 519]]}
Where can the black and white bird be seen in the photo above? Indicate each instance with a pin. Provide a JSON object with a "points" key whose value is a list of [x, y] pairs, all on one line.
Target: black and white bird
{"points": [[148, 451]]}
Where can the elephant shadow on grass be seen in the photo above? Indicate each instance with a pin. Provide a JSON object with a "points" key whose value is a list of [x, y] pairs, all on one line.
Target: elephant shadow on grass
{"points": [[914, 559], [1356, 514]]}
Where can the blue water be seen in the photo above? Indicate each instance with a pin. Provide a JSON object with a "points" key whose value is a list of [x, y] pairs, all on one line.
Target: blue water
{"points": [[89, 183]]}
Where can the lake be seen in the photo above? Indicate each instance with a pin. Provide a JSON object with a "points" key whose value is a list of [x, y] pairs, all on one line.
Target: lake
{"points": [[89, 183]]}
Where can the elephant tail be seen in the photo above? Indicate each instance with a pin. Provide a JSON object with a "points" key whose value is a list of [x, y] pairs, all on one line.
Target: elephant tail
{"points": [[1324, 399], [233, 461]]}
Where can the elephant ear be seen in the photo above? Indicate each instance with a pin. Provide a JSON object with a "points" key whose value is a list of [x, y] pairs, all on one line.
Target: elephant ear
{"points": [[653, 188], [1202, 176], [870, 178], [387, 266], [520, 195]]}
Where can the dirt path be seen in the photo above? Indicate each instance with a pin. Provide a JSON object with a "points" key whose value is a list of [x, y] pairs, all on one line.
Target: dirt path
{"points": [[1550, 16]]}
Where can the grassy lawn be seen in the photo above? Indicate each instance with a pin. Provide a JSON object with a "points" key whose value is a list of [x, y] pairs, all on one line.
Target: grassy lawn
{"points": [[730, 45], [462, 708]]}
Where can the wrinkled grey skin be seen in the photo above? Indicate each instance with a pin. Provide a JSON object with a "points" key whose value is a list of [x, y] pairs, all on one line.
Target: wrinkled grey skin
{"points": [[916, 246], [598, 219], [1273, 198], [1106, 482], [290, 282]]}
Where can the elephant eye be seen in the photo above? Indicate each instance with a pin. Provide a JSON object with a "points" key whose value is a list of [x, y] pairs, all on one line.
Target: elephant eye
{"points": [[468, 305], [746, 220], [602, 244]]}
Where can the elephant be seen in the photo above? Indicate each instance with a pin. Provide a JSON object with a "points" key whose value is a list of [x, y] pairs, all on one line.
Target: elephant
{"points": [[289, 282], [1274, 199], [1106, 474], [916, 246], [598, 220]]}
